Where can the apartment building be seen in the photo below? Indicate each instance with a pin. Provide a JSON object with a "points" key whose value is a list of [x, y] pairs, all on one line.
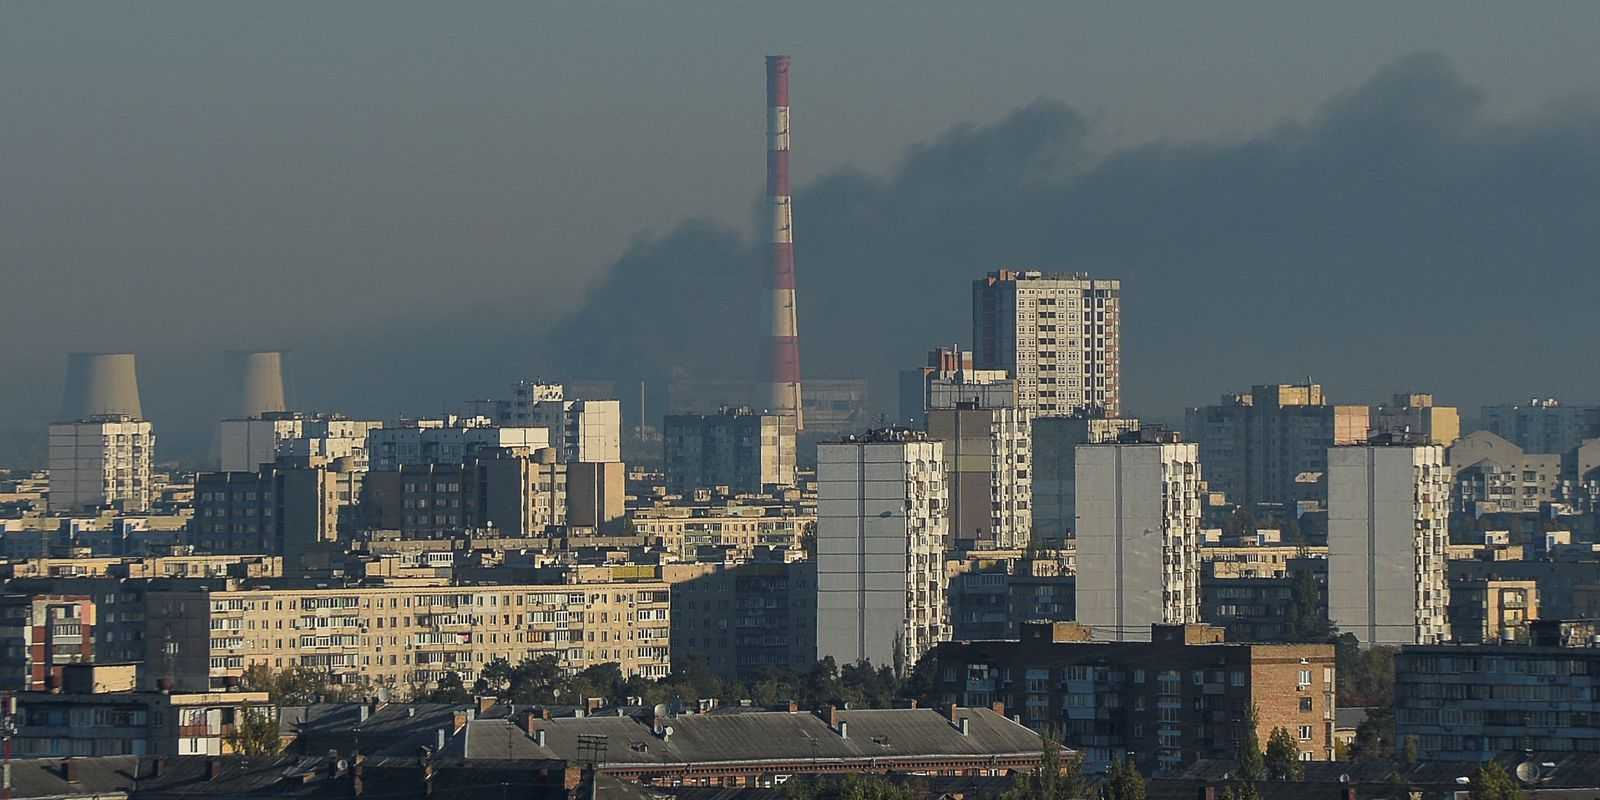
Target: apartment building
{"points": [[1138, 534], [597, 496], [40, 635], [1492, 475], [284, 510], [746, 451], [1058, 335], [1388, 519], [1415, 416], [1268, 445], [202, 566], [101, 461], [1470, 703], [990, 598], [1492, 610], [449, 440], [741, 619], [407, 638], [988, 469], [882, 531], [1055, 443], [1543, 425], [737, 528], [245, 444], [513, 490], [1181, 696]]}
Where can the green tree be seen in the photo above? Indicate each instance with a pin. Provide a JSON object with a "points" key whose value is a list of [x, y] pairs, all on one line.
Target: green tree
{"points": [[1282, 760], [1124, 781], [255, 733], [1307, 614], [1252, 766], [1241, 790], [449, 690], [1491, 782], [1375, 736], [1365, 675]]}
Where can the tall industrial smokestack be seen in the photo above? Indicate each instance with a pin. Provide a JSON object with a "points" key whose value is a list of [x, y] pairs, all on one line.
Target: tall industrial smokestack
{"points": [[256, 378], [99, 384], [784, 352]]}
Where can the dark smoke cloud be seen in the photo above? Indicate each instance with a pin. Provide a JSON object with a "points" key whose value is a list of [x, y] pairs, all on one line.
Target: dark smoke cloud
{"points": [[1397, 240]]}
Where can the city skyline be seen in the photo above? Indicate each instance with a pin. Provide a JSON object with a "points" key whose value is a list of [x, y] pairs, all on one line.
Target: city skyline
{"points": [[1323, 189]]}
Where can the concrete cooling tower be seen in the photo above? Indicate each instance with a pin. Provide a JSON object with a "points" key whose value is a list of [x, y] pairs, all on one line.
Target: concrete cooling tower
{"points": [[256, 380], [99, 384]]}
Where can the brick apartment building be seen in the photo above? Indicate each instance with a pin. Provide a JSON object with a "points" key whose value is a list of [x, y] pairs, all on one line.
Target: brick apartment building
{"points": [[1180, 697]]}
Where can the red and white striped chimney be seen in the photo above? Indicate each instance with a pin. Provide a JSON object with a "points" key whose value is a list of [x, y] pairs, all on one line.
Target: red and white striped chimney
{"points": [[784, 349]]}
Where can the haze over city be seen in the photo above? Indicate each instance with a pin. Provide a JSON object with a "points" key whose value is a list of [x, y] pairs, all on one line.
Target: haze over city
{"points": [[425, 206]]}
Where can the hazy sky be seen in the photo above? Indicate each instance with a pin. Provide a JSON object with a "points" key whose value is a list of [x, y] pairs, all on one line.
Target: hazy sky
{"points": [[181, 178]]}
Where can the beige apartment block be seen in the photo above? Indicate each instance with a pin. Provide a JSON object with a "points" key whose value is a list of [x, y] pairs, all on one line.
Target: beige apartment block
{"points": [[407, 638]]}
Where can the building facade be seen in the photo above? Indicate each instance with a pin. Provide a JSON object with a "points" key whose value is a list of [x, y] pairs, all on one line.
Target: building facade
{"points": [[741, 619], [1138, 534], [450, 440], [516, 492], [1182, 695], [737, 448], [1470, 703], [1492, 611], [1269, 445], [1415, 416], [245, 444], [988, 468], [1059, 336], [407, 638], [1055, 443], [1543, 425], [882, 531], [279, 510], [101, 461], [40, 635], [1388, 520]]}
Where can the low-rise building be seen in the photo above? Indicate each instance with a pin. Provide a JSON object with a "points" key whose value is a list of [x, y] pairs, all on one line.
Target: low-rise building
{"points": [[1470, 703], [1182, 696]]}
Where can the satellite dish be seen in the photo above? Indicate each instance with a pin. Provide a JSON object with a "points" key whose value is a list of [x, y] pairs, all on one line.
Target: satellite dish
{"points": [[342, 765], [659, 711], [1528, 772], [667, 730], [1344, 777]]}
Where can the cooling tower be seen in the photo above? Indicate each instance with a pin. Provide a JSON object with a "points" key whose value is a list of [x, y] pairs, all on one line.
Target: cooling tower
{"points": [[100, 383], [256, 380]]}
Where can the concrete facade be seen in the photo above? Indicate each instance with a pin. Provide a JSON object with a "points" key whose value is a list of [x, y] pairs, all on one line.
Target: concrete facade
{"points": [[1543, 425], [747, 452], [102, 461], [1388, 518], [1059, 336], [988, 464], [1138, 536], [245, 444], [1414, 414], [882, 531], [1055, 443], [447, 441], [1268, 445], [597, 495], [1493, 475], [1179, 696], [515, 492]]}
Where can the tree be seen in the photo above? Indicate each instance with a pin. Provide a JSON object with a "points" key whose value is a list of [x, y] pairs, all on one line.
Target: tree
{"points": [[1307, 614], [255, 733], [1057, 779], [449, 690], [1365, 675], [1124, 781], [1252, 767], [1241, 790], [1375, 736], [1282, 760], [1491, 782]]}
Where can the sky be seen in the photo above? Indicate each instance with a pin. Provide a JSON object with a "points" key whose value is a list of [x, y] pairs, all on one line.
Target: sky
{"points": [[424, 203]]}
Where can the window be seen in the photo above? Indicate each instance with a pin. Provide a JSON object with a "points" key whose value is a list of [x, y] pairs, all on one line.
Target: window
{"points": [[1305, 733], [1305, 677], [1236, 678], [1305, 704]]}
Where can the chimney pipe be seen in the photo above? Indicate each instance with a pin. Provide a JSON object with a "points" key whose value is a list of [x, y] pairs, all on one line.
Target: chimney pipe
{"points": [[844, 729], [783, 359]]}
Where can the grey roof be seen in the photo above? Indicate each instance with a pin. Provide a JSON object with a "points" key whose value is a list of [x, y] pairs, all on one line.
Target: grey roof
{"points": [[771, 735], [1349, 718]]}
